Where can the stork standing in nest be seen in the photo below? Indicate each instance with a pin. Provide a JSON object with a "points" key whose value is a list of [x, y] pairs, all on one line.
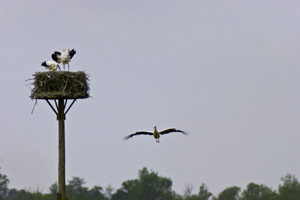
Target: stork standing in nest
{"points": [[64, 57], [155, 133]]}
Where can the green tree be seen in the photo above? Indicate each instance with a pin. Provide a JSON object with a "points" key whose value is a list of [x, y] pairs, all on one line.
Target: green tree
{"points": [[23, 195], [187, 192], [96, 194], [37, 195], [49, 197], [54, 189], [230, 193], [3, 185], [12, 194], [290, 190], [75, 184], [75, 189], [203, 194], [148, 186], [258, 192], [109, 191]]}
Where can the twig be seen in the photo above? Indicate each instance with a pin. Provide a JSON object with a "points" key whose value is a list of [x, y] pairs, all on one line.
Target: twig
{"points": [[34, 106]]}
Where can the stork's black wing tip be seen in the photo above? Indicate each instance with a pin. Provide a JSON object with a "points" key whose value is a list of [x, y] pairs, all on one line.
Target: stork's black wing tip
{"points": [[44, 64], [183, 132], [127, 137]]}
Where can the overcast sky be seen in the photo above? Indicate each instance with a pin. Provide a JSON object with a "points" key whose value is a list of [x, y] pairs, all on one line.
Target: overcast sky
{"points": [[227, 72]]}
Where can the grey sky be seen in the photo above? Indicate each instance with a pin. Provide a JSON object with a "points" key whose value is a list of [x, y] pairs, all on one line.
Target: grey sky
{"points": [[226, 72]]}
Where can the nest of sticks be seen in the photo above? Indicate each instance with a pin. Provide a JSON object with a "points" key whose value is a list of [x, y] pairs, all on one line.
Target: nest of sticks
{"points": [[60, 84]]}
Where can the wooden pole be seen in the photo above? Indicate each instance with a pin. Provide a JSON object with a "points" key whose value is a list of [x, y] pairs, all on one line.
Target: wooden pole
{"points": [[61, 148]]}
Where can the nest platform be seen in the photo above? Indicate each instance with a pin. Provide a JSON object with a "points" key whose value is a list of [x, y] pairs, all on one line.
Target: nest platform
{"points": [[60, 85]]}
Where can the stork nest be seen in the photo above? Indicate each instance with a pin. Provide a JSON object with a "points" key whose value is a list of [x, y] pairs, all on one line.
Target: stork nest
{"points": [[60, 84]]}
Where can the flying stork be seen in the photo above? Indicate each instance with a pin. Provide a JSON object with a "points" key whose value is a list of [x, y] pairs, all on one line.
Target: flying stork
{"points": [[51, 65], [155, 133], [64, 57]]}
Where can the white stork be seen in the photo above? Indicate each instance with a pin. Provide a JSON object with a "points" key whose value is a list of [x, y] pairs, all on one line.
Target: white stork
{"points": [[51, 65], [64, 57], [155, 133]]}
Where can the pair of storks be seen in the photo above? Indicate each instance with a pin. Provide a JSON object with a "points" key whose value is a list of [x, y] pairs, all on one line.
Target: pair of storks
{"points": [[64, 58], [155, 133]]}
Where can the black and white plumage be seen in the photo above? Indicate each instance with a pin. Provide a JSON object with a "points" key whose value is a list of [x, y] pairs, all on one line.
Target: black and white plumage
{"points": [[51, 65], [64, 57], [155, 133]]}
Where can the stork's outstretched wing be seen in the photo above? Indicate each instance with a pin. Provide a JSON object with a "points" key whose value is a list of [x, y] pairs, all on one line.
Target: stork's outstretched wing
{"points": [[138, 133], [56, 56], [170, 130]]}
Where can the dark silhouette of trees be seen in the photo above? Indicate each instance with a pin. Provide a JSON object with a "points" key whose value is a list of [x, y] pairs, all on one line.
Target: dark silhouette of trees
{"points": [[258, 192], [3, 185], [148, 186], [231, 193], [76, 191], [151, 186], [203, 194], [290, 189]]}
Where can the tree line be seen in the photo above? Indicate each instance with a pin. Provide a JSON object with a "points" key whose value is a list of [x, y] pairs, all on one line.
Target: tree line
{"points": [[151, 186]]}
